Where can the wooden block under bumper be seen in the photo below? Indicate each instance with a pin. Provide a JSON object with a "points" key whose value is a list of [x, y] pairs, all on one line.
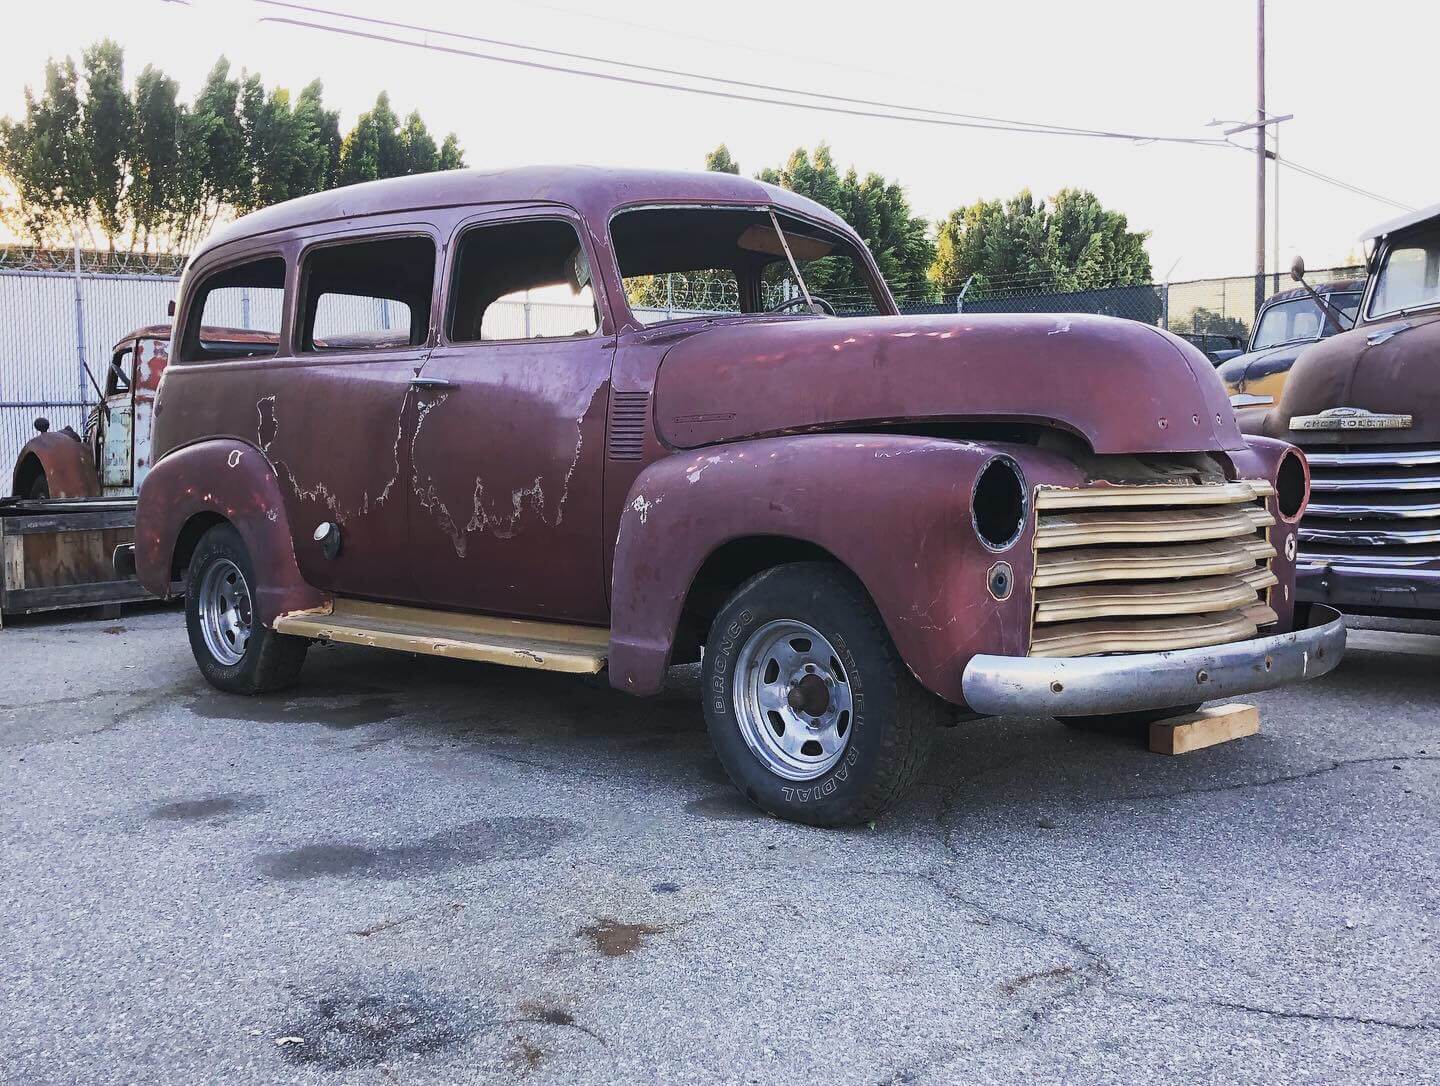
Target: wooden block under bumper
{"points": [[1205, 728]]}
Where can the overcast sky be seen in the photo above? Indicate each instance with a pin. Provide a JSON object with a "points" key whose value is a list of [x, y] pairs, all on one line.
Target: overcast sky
{"points": [[1360, 79]]}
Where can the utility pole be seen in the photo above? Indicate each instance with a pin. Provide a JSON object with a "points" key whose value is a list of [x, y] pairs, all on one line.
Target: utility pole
{"points": [[1260, 155]]}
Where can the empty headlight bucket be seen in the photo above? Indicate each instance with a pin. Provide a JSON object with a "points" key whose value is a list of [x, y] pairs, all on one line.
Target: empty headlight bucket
{"points": [[998, 503]]}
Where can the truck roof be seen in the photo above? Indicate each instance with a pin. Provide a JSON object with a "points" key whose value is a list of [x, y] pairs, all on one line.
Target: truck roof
{"points": [[1401, 222], [591, 190], [1335, 286]]}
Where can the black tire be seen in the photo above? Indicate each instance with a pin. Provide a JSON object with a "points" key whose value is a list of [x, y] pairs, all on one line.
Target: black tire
{"points": [[894, 719], [39, 488], [1125, 722], [270, 661]]}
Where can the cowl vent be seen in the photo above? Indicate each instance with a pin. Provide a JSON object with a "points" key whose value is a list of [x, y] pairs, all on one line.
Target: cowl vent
{"points": [[629, 412]]}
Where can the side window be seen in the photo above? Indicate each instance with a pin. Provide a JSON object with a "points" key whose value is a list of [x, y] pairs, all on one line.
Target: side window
{"points": [[367, 294], [235, 313], [521, 280], [122, 365]]}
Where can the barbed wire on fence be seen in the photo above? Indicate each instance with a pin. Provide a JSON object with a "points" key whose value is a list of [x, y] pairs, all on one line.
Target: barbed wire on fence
{"points": [[29, 258]]}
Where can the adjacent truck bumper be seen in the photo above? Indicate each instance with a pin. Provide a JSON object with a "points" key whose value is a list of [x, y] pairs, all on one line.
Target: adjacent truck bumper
{"points": [[1094, 685], [1361, 587]]}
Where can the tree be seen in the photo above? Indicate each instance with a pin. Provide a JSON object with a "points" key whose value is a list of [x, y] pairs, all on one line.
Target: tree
{"points": [[1075, 244], [46, 159], [106, 118], [144, 169], [418, 153], [154, 195], [1204, 321], [719, 161], [450, 156], [878, 210]]}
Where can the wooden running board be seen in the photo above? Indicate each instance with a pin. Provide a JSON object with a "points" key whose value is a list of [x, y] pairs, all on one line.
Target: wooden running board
{"points": [[549, 646]]}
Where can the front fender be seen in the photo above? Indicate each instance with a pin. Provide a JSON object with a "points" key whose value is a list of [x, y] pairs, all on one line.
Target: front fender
{"points": [[895, 509], [69, 467], [234, 481]]}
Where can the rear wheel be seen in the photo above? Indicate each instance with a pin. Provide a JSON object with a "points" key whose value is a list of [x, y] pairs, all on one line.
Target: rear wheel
{"points": [[812, 712], [234, 652]]}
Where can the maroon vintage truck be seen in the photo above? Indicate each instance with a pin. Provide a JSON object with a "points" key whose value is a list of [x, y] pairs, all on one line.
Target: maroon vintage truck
{"points": [[1365, 406], [487, 429]]}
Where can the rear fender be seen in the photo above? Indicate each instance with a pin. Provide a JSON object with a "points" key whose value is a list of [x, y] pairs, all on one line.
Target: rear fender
{"points": [[234, 481], [894, 509], [68, 466]]}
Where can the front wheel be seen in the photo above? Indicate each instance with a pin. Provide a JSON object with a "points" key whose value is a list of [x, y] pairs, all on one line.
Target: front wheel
{"points": [[234, 651], [812, 712]]}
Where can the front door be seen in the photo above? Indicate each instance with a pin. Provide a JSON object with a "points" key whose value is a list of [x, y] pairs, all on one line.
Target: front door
{"points": [[117, 423], [508, 450]]}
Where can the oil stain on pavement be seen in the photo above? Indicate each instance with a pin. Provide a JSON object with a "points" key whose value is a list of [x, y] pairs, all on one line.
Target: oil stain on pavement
{"points": [[201, 808], [347, 1028], [481, 841]]}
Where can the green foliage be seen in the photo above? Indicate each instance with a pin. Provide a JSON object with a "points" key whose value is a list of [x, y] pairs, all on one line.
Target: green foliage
{"points": [[143, 169], [1074, 244], [719, 161], [1202, 320], [878, 210]]}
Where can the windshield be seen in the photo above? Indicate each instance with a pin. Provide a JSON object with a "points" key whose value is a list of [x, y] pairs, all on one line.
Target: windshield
{"points": [[1301, 319], [1410, 276], [682, 262]]}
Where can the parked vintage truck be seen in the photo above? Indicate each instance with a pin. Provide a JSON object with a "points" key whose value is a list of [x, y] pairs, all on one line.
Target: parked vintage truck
{"points": [[863, 527], [1365, 406], [1287, 324]]}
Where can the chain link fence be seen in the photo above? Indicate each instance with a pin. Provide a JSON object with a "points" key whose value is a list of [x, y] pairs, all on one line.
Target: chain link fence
{"points": [[63, 312]]}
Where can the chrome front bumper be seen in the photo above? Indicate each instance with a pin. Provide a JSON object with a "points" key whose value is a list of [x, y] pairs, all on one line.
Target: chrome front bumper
{"points": [[1092, 685]]}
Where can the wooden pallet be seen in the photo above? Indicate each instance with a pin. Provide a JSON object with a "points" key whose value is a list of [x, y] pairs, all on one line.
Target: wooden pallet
{"points": [[57, 553]]}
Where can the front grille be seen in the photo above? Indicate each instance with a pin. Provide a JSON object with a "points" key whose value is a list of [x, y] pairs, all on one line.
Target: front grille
{"points": [[1373, 505], [1150, 567]]}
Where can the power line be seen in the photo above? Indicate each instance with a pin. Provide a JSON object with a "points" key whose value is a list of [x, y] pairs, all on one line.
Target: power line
{"points": [[1318, 176], [881, 110]]}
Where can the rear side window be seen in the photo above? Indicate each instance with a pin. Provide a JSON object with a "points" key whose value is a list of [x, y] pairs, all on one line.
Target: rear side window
{"points": [[368, 295], [521, 280], [235, 313]]}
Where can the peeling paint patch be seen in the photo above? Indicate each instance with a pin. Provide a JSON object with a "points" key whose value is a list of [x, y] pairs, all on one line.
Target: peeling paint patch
{"points": [[234, 458], [1061, 327], [643, 505]]}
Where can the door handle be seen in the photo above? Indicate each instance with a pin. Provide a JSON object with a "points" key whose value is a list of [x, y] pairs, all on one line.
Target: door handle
{"points": [[430, 384]]}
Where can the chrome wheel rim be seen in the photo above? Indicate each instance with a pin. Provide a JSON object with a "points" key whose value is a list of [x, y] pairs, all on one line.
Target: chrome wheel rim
{"points": [[226, 612], [793, 700]]}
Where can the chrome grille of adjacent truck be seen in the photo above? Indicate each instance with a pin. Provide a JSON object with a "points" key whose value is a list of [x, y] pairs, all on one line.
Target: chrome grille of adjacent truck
{"points": [[1150, 567], [1372, 505]]}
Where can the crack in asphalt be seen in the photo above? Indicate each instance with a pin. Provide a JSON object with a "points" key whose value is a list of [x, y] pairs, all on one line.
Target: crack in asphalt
{"points": [[1309, 774], [1272, 1012]]}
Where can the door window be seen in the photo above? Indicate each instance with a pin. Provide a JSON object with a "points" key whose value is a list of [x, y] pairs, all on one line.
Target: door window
{"points": [[368, 295], [235, 313], [521, 280], [117, 380]]}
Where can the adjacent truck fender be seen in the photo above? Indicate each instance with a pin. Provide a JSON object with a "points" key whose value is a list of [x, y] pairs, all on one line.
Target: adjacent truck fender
{"points": [[198, 485], [68, 466], [896, 510]]}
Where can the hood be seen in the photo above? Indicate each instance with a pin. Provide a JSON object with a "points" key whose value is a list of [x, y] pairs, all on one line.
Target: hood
{"points": [[1365, 368], [1245, 371], [1123, 386]]}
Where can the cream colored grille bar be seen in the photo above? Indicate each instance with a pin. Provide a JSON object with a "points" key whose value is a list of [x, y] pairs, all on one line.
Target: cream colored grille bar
{"points": [[1152, 494], [1149, 526], [1142, 634]]}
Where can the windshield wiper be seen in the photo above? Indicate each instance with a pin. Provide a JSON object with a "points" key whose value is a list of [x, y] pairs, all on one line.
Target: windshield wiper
{"points": [[794, 268]]}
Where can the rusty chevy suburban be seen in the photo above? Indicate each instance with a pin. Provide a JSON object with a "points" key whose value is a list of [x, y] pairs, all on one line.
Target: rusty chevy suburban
{"points": [[582, 420]]}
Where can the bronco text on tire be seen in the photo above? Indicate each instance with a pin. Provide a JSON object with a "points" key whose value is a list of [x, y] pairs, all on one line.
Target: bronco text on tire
{"points": [[813, 714]]}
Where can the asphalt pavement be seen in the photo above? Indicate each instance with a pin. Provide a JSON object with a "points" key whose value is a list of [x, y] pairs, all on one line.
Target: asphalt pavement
{"points": [[410, 870]]}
